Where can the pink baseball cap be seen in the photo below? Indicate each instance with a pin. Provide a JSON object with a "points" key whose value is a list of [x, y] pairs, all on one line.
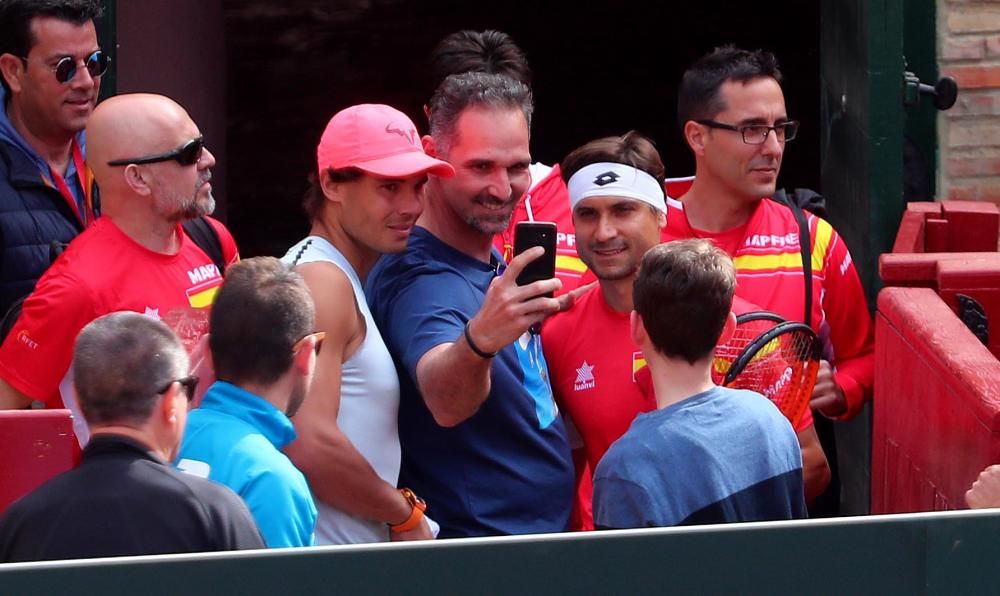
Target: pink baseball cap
{"points": [[376, 139]]}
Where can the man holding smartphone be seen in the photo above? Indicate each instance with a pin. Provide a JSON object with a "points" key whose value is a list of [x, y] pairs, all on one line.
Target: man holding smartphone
{"points": [[481, 436], [495, 52]]}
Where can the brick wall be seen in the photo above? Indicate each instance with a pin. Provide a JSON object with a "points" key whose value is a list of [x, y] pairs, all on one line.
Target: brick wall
{"points": [[969, 51]]}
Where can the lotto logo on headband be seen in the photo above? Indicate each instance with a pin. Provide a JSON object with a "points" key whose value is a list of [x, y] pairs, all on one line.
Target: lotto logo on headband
{"points": [[606, 178]]}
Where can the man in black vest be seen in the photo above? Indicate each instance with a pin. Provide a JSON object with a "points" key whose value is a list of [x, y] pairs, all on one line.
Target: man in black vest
{"points": [[51, 67], [124, 498]]}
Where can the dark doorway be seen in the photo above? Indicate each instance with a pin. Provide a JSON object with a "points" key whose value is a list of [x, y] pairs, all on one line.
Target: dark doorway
{"points": [[600, 68]]}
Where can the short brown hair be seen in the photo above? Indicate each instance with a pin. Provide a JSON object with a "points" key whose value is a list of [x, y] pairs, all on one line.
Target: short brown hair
{"points": [[312, 202], [489, 51], [684, 292], [631, 148], [261, 310], [460, 92]]}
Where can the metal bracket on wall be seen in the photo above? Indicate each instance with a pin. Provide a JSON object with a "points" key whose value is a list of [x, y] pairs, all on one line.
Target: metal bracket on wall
{"points": [[974, 316]]}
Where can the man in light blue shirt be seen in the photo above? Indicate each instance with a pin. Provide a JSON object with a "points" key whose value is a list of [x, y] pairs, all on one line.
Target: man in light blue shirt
{"points": [[264, 350]]}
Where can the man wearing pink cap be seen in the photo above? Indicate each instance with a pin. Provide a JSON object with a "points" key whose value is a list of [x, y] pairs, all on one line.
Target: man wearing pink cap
{"points": [[367, 194]]}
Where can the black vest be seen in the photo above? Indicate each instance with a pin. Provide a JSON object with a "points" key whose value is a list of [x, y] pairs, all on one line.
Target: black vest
{"points": [[32, 215]]}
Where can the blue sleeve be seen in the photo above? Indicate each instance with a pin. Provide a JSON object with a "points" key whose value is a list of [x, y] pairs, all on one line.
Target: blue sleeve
{"points": [[621, 503], [426, 312], [284, 515]]}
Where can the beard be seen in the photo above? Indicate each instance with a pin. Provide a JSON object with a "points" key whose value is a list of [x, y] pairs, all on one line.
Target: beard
{"points": [[197, 208], [298, 395], [495, 221]]}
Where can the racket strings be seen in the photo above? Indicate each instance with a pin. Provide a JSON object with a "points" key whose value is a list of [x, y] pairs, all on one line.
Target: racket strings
{"points": [[743, 336], [783, 369]]}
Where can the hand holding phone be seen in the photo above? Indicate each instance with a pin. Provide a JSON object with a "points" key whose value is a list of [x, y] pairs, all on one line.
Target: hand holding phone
{"points": [[509, 307], [536, 233]]}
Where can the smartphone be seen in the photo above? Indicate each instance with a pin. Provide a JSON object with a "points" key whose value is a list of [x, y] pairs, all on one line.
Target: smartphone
{"points": [[536, 233]]}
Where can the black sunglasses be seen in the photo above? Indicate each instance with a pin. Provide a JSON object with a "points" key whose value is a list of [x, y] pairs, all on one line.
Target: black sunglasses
{"points": [[189, 384], [319, 335], [187, 154], [65, 69]]}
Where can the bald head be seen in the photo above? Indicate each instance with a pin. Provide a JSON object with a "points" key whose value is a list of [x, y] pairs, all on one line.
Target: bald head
{"points": [[161, 169], [128, 126]]}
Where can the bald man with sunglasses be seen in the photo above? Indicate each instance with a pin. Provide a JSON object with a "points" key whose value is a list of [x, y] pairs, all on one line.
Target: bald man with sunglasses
{"points": [[50, 67], [153, 168]]}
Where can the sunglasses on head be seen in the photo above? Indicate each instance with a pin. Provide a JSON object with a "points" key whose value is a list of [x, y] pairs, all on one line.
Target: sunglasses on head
{"points": [[188, 385], [65, 69], [187, 154]]}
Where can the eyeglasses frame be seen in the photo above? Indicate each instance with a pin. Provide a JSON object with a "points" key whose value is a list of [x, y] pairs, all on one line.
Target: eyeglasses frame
{"points": [[319, 335], [189, 384], [172, 155], [742, 129], [72, 74]]}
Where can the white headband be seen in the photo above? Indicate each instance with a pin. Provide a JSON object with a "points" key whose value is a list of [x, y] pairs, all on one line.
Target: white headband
{"points": [[605, 179]]}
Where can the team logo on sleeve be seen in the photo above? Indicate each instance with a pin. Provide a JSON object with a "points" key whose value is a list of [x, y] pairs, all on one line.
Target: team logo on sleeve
{"points": [[584, 377], [638, 363], [25, 339]]}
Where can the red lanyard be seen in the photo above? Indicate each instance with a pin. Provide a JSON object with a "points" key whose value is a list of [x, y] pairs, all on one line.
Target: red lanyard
{"points": [[83, 175]]}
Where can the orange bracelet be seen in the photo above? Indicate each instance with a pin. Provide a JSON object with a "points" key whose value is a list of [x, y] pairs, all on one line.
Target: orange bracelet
{"points": [[416, 514]]}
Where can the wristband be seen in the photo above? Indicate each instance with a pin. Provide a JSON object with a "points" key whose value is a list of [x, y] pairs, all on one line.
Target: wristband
{"points": [[416, 514], [474, 347]]}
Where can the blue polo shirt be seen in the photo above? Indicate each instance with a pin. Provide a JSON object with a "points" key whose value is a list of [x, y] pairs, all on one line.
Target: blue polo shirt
{"points": [[235, 438], [505, 470]]}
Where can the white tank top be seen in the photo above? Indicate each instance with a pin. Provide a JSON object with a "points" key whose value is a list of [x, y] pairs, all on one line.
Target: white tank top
{"points": [[369, 404]]}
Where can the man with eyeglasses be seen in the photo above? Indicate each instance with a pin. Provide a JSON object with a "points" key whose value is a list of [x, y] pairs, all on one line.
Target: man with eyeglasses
{"points": [[263, 347], [51, 67], [153, 169], [731, 110], [124, 498]]}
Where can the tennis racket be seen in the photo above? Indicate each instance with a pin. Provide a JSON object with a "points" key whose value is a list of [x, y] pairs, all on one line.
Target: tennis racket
{"points": [[749, 326], [776, 358]]}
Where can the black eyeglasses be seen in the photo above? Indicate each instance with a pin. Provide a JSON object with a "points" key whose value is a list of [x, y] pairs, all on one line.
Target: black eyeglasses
{"points": [[189, 384], [319, 335], [187, 154], [65, 69], [756, 134]]}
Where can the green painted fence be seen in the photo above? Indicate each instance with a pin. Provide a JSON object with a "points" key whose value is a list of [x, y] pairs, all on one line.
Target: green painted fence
{"points": [[928, 553]]}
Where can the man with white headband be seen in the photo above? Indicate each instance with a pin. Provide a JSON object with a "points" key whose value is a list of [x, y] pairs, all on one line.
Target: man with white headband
{"points": [[598, 373]]}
